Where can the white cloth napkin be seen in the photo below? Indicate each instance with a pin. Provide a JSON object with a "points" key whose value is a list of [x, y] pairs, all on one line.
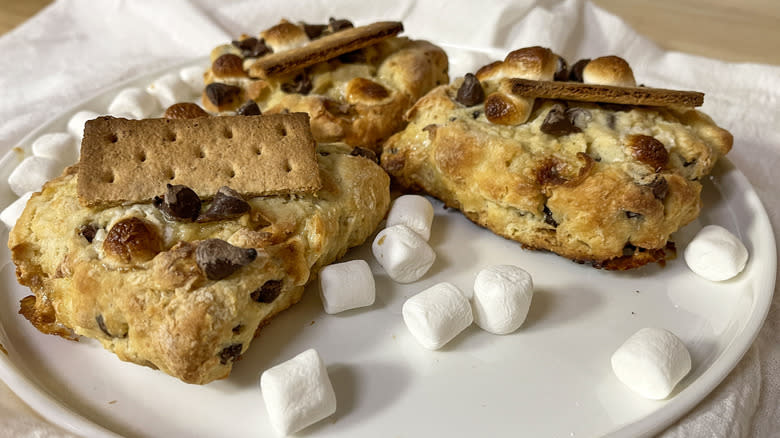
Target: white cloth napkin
{"points": [[74, 48]]}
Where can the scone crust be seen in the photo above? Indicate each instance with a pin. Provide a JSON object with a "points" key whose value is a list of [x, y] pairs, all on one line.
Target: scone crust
{"points": [[164, 312], [593, 196], [357, 98]]}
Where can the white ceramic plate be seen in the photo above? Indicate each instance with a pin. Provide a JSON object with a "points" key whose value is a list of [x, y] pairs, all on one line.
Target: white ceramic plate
{"points": [[550, 378]]}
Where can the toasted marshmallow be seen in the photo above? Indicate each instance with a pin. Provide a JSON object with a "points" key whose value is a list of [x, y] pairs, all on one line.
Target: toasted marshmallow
{"points": [[437, 314], [652, 362], [11, 214], [347, 285], [404, 255], [502, 297], [58, 146], [169, 89], [193, 77], [609, 70], [716, 254], [32, 173], [284, 36], [136, 102], [297, 393], [77, 121], [414, 211]]}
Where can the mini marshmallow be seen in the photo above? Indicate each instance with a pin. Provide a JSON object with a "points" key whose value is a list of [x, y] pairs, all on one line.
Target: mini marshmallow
{"points": [[169, 89], [437, 314], [297, 393], [11, 214], [193, 77], [136, 102], [404, 255], [652, 362], [716, 254], [59, 146], [31, 173], [502, 297], [414, 211], [347, 285], [77, 121]]}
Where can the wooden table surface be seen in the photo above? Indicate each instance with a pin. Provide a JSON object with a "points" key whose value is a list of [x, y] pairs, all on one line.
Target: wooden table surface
{"points": [[732, 30]]}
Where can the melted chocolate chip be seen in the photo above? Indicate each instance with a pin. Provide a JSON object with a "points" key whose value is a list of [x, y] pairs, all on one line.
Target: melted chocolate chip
{"points": [[631, 214], [301, 85], [470, 92], [660, 187], [353, 57], [557, 122], [357, 151], [249, 108], [629, 249], [88, 232], [548, 217], [314, 31], [179, 203], [218, 259], [220, 94], [268, 292], [337, 25], [575, 73], [252, 47], [231, 353], [561, 70], [227, 204]]}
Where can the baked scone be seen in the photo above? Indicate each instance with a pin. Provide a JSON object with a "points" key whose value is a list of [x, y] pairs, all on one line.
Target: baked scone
{"points": [[600, 183], [357, 97], [187, 296]]}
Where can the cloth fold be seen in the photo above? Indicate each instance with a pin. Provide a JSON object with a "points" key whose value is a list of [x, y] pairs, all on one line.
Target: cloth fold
{"points": [[74, 48]]}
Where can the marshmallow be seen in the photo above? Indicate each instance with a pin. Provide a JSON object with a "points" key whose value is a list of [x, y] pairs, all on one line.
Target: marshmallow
{"points": [[651, 362], [58, 146], [502, 297], [11, 214], [193, 77], [414, 211], [77, 121], [716, 254], [297, 393], [169, 89], [347, 285], [404, 255], [437, 314], [135, 102], [31, 173]]}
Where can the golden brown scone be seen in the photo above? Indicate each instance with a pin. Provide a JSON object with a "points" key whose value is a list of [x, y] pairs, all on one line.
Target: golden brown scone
{"points": [[150, 289], [605, 184], [358, 98]]}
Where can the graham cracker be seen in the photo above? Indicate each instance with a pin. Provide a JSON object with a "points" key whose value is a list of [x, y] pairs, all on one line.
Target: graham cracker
{"points": [[324, 48], [605, 93], [131, 161]]}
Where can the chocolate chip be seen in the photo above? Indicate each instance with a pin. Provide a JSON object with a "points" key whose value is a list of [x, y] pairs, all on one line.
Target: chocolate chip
{"points": [[337, 25], [475, 115], [579, 117], [218, 259], [660, 187], [629, 249], [231, 353], [470, 92], [252, 47], [237, 329], [548, 217], [617, 107], [353, 57], [179, 203], [220, 94], [268, 292], [561, 70], [575, 73], [557, 122], [631, 214], [301, 85], [314, 31], [88, 232], [227, 204], [357, 151], [689, 163], [249, 108]]}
